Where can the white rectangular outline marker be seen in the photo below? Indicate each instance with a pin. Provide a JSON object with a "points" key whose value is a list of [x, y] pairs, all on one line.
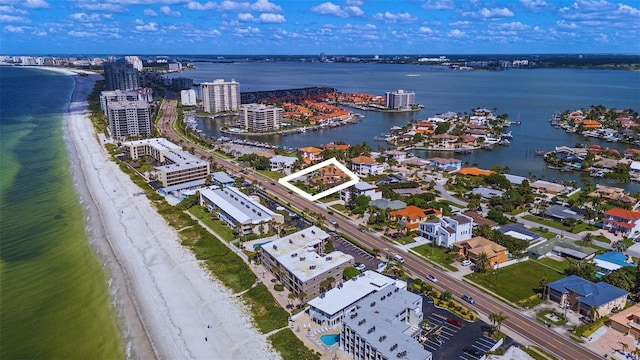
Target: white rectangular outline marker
{"points": [[333, 161]]}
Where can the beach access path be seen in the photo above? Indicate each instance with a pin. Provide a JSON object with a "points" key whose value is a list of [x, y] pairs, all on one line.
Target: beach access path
{"points": [[183, 312]]}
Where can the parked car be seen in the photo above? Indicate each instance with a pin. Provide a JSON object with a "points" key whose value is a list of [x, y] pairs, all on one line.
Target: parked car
{"points": [[454, 322], [468, 298], [466, 262], [473, 351], [398, 258], [432, 278], [330, 212], [360, 267], [361, 229]]}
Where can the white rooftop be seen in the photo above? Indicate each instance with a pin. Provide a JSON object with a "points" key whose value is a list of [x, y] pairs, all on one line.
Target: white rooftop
{"points": [[283, 159], [297, 253], [363, 186], [158, 143], [238, 205], [181, 160], [350, 292]]}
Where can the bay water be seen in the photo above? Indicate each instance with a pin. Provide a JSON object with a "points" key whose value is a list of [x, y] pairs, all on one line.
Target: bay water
{"points": [[529, 95], [55, 301]]}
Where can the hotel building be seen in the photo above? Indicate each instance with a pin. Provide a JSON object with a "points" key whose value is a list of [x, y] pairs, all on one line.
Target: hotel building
{"points": [[300, 262], [239, 211], [129, 118], [261, 117], [218, 96], [401, 100], [385, 325]]}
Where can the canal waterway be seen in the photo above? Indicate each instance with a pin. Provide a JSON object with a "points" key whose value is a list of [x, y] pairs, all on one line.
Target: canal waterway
{"points": [[531, 96]]}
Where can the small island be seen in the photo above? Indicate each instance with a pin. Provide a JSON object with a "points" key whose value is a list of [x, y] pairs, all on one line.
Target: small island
{"points": [[613, 125]]}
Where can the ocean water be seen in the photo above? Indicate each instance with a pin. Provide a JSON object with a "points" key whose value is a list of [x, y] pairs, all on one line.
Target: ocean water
{"points": [[55, 301], [529, 95]]}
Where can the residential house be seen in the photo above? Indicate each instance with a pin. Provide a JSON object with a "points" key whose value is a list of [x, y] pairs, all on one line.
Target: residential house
{"points": [[388, 204], [311, 154], [625, 222], [580, 295], [612, 261], [478, 219], [542, 186], [627, 321], [282, 163], [221, 178], [561, 247], [396, 155], [447, 231], [413, 215], [474, 171], [518, 231], [561, 213], [472, 248], [486, 193], [446, 164], [611, 193], [361, 188], [364, 166], [444, 140], [393, 178]]}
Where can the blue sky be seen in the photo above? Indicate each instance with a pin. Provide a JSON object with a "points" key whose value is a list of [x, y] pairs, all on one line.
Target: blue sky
{"points": [[291, 27]]}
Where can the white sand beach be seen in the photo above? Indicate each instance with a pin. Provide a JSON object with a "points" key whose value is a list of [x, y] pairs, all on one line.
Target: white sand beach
{"points": [[166, 299]]}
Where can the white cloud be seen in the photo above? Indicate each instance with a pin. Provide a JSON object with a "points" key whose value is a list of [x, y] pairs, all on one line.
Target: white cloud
{"points": [[263, 18], [82, 34], [248, 30], [516, 25], [534, 5], [354, 10], [355, 2], [329, 8], [566, 25], [12, 10], [36, 4], [150, 12], [138, 22], [167, 11], [456, 33], [438, 5], [426, 30], [83, 17], [489, 13], [460, 24], [13, 29], [13, 18], [399, 17], [101, 7], [602, 38], [226, 5], [152, 27]]}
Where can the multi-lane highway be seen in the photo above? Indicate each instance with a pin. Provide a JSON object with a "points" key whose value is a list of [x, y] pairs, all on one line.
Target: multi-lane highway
{"points": [[561, 346]]}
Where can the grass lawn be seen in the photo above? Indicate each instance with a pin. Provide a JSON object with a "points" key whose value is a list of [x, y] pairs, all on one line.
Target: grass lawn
{"points": [[406, 239], [267, 313], [217, 225], [516, 282], [554, 224], [602, 238], [290, 347], [332, 197], [273, 175], [518, 211], [558, 265], [437, 254], [544, 232], [339, 207]]}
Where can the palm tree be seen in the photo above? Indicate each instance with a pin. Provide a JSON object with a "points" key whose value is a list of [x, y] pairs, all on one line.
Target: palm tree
{"points": [[301, 296], [277, 271], [291, 297], [587, 239], [543, 287], [482, 262], [593, 313], [499, 318], [445, 296], [619, 246], [625, 346]]}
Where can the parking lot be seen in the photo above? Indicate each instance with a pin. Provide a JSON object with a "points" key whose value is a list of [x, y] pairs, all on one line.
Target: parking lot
{"points": [[359, 255]]}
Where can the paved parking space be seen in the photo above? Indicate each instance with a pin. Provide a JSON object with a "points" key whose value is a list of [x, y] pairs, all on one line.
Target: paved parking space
{"points": [[359, 255]]}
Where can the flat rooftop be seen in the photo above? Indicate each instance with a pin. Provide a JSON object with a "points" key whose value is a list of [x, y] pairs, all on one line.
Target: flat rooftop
{"points": [[352, 291], [238, 205], [158, 143], [297, 253]]}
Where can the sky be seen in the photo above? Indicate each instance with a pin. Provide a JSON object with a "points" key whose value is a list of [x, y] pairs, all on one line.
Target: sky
{"points": [[309, 27]]}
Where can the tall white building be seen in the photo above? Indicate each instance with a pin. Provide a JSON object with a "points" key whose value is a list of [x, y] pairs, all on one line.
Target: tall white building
{"points": [[108, 97], [188, 97], [134, 61], [129, 118], [401, 100], [220, 95], [261, 117]]}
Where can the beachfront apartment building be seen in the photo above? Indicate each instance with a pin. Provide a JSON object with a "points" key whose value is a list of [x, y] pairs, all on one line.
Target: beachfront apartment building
{"points": [[300, 262], [177, 166], [385, 325], [330, 308], [622, 221], [239, 211], [365, 166], [400, 100], [129, 119], [220, 95], [188, 97], [107, 97], [261, 117], [447, 230], [120, 75], [361, 188], [581, 295]]}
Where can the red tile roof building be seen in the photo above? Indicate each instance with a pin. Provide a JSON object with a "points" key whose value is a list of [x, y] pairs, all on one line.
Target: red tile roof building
{"points": [[625, 222]]}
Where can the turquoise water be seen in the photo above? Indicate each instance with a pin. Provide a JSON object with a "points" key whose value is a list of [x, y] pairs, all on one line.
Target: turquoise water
{"points": [[53, 291], [255, 246], [330, 339]]}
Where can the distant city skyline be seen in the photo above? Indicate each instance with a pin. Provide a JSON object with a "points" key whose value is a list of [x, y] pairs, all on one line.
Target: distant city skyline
{"points": [[309, 27]]}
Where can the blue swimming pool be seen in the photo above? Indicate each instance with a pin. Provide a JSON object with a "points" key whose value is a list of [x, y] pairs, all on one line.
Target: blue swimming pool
{"points": [[255, 246], [330, 339]]}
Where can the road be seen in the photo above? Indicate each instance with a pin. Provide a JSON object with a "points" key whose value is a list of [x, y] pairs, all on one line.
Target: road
{"points": [[569, 235], [559, 345]]}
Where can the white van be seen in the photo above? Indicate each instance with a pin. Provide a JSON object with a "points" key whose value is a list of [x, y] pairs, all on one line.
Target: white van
{"points": [[398, 258]]}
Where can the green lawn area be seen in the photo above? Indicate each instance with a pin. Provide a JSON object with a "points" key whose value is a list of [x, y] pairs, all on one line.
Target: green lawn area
{"points": [[602, 238], [290, 347], [558, 265], [273, 175], [406, 239], [554, 224], [437, 254], [544, 232], [516, 282], [217, 225], [339, 207], [332, 197], [267, 313], [518, 211]]}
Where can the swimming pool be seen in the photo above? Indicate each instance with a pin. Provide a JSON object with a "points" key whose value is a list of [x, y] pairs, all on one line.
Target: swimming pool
{"points": [[330, 339], [255, 246]]}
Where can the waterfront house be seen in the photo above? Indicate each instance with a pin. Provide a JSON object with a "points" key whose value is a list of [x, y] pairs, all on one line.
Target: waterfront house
{"points": [[444, 140], [311, 154], [542, 186], [447, 230], [478, 219], [392, 178], [632, 153], [413, 215], [625, 222], [581, 295], [364, 166], [561, 213], [388, 204], [477, 245], [446, 164], [486, 193], [611, 193], [361, 188], [396, 155]]}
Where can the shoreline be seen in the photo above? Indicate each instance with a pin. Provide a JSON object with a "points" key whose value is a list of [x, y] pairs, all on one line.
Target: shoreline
{"points": [[169, 305]]}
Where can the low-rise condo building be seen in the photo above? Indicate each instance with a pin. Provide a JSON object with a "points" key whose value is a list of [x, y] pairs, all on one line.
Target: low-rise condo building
{"points": [[385, 325], [300, 262], [239, 211], [582, 295]]}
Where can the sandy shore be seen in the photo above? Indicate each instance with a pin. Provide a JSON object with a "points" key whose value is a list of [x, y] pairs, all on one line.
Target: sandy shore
{"points": [[171, 307]]}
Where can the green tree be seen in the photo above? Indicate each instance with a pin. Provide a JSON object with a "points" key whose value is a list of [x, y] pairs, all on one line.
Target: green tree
{"points": [[349, 272], [499, 318], [619, 246], [482, 262], [442, 128], [587, 239]]}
